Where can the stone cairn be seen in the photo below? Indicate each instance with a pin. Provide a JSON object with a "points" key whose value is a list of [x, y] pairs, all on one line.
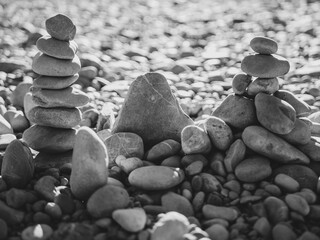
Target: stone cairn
{"points": [[56, 111]]}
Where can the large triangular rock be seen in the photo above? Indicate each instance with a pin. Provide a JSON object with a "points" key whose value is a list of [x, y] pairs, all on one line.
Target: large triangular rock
{"points": [[151, 111]]}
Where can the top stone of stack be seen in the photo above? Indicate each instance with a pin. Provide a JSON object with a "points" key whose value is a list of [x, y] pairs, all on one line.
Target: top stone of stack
{"points": [[264, 64], [61, 27]]}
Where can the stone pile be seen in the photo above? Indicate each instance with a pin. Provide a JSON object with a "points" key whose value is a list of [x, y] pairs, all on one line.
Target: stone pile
{"points": [[55, 112]]}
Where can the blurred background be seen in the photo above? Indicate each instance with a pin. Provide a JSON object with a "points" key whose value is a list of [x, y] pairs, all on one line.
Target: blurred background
{"points": [[194, 43]]}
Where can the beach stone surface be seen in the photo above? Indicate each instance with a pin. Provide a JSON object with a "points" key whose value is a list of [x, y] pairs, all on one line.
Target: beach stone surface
{"points": [[264, 85], [48, 82], [151, 111], [132, 220], [68, 97], [156, 177], [174, 202], [263, 45], [55, 117], [61, 27], [236, 111], [89, 164], [49, 66], [265, 66], [60, 140], [300, 134], [277, 210], [163, 150], [195, 140], [240, 83], [107, 199], [124, 143], [311, 149], [271, 146], [57, 48], [275, 115]]}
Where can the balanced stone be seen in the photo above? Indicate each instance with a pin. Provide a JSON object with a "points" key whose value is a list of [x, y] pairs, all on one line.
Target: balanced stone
{"points": [[156, 177], [265, 85], [274, 114], [56, 48], [48, 139], [236, 111], [151, 111], [89, 164], [55, 117], [301, 107], [253, 169], [264, 45], [49, 66], [265, 66], [240, 82], [68, 97], [61, 27], [48, 82], [275, 148], [300, 134]]}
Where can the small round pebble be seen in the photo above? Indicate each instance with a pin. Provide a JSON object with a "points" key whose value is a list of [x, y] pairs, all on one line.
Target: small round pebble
{"points": [[264, 45], [61, 27], [286, 182], [298, 204]]}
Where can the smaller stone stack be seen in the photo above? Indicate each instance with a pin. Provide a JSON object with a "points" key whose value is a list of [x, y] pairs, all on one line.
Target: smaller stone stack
{"points": [[57, 112]]}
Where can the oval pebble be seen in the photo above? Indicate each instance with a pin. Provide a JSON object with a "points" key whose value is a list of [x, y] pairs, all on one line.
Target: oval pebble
{"points": [[286, 183], [298, 204], [174, 202], [132, 220], [37, 232], [240, 82], [263, 45], [218, 232], [210, 211], [195, 140], [156, 177], [264, 85], [277, 210], [253, 169]]}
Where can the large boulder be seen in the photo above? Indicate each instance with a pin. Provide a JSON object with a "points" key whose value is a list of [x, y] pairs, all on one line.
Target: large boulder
{"points": [[151, 111]]}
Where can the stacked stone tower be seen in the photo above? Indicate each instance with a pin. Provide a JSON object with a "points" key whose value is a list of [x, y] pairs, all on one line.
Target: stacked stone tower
{"points": [[56, 113]]}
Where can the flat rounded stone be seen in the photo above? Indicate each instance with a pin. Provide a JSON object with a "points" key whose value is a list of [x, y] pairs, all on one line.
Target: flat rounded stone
{"points": [[264, 45], [49, 66], [48, 82], [125, 144], [300, 134], [48, 139], [55, 117], [217, 231], [195, 140], [219, 132], [238, 112], [253, 169], [107, 199], [286, 183], [163, 149], [277, 210], [297, 204], [274, 114], [57, 48], [68, 97], [265, 66], [311, 149], [240, 82], [271, 146], [89, 164], [265, 85], [128, 164], [234, 155], [132, 220], [210, 211], [304, 175], [156, 177], [174, 202], [61, 27], [301, 107]]}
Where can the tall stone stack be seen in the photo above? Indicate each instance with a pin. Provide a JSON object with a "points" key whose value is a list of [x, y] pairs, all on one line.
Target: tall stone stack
{"points": [[271, 122], [56, 113]]}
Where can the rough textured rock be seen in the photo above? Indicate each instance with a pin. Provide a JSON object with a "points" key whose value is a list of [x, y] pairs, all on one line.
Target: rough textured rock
{"points": [[236, 111], [89, 164], [17, 166], [126, 144], [195, 140], [151, 111]]}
